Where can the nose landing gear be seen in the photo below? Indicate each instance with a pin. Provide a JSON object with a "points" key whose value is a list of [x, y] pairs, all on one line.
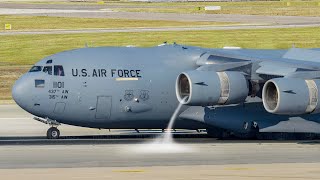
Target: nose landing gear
{"points": [[53, 132]]}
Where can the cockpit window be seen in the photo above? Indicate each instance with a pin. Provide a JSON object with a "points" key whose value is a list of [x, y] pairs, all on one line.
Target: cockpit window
{"points": [[49, 61], [58, 70], [36, 69], [39, 83], [48, 70]]}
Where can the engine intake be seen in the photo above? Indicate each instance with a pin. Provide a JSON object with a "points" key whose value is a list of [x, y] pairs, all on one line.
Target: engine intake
{"points": [[289, 96], [211, 88]]}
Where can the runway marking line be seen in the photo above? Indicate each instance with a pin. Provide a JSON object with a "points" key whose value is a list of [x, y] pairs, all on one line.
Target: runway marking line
{"points": [[239, 168], [129, 171]]}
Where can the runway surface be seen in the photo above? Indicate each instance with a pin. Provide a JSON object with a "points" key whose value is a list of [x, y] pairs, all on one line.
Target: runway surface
{"points": [[107, 13], [241, 172], [191, 152], [22, 140], [123, 154]]}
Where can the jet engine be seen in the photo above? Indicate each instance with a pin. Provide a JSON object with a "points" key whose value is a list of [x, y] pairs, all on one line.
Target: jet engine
{"points": [[211, 88], [289, 96]]}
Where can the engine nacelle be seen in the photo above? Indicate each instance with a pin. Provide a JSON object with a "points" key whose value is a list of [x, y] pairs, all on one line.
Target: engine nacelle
{"points": [[289, 96], [211, 88]]}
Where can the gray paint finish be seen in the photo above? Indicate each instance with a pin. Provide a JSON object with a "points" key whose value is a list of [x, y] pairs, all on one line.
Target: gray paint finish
{"points": [[130, 87]]}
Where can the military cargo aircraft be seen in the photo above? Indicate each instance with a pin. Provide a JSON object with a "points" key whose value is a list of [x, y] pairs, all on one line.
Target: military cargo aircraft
{"points": [[240, 92]]}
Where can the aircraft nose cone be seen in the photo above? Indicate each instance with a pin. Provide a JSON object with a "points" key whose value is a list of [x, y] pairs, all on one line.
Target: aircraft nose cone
{"points": [[18, 92]]}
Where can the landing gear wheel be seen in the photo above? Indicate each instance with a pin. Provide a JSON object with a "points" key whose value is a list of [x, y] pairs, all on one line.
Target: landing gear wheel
{"points": [[53, 133], [219, 133]]}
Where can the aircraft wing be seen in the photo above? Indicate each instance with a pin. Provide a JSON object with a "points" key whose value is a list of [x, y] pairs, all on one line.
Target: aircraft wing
{"points": [[261, 64], [279, 77]]}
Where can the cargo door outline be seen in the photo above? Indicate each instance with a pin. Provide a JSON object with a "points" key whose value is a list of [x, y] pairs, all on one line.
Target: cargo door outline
{"points": [[103, 107]]}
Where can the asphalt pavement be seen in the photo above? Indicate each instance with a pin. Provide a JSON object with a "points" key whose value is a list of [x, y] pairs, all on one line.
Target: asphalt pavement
{"points": [[85, 153], [23, 145]]}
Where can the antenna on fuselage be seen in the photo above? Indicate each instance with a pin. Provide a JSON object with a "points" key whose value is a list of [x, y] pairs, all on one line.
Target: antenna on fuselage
{"points": [[163, 44]]}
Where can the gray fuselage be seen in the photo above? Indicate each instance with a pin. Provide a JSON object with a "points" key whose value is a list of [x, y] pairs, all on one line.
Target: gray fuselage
{"points": [[109, 87], [129, 87]]}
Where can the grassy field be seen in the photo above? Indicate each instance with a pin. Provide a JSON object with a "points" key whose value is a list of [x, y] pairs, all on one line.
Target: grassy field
{"points": [[27, 49], [44, 22], [18, 53]]}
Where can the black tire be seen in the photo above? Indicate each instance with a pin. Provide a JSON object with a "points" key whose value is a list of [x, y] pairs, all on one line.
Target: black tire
{"points": [[223, 134], [214, 132], [53, 133]]}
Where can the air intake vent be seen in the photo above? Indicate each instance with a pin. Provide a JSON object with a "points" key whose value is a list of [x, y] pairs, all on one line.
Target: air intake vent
{"points": [[313, 95], [225, 89]]}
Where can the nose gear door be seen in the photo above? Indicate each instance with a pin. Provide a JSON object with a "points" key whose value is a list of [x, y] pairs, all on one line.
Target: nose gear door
{"points": [[103, 108]]}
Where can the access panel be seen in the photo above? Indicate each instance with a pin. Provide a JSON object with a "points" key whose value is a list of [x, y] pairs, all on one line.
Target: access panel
{"points": [[103, 109]]}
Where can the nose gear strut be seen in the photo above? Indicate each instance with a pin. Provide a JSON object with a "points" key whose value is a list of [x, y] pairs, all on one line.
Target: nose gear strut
{"points": [[53, 132]]}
